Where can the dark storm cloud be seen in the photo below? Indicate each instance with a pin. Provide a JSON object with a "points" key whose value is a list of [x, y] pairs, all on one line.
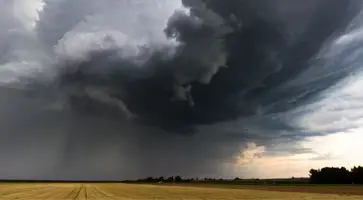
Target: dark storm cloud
{"points": [[219, 71], [57, 143], [227, 71]]}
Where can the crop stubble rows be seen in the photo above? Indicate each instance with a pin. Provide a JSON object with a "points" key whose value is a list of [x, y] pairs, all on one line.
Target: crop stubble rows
{"points": [[148, 192]]}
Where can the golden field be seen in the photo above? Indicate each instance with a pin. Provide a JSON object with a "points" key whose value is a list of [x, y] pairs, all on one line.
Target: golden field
{"points": [[109, 191]]}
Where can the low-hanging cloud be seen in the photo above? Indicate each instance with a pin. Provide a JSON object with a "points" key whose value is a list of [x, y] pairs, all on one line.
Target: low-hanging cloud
{"points": [[136, 88]]}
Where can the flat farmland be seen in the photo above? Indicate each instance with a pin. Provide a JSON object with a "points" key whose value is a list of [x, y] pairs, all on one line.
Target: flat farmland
{"points": [[109, 191]]}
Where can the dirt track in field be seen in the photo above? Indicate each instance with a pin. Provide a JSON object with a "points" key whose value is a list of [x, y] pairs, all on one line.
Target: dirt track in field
{"points": [[110, 191]]}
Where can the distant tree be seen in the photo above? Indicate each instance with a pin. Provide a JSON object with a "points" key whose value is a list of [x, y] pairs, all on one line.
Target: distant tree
{"points": [[357, 174], [335, 175], [151, 179], [161, 179], [170, 179], [178, 179], [315, 176]]}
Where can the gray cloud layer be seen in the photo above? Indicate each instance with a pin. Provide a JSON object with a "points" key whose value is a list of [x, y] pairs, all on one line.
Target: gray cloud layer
{"points": [[141, 91]]}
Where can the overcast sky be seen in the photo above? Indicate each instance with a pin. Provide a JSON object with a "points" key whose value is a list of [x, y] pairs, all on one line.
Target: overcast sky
{"points": [[121, 89]]}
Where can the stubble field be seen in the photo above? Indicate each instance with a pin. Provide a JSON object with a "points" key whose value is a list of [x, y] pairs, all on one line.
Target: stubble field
{"points": [[109, 191]]}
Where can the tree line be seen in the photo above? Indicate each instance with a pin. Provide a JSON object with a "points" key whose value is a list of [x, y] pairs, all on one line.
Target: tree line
{"points": [[170, 179], [336, 175], [326, 175], [206, 180]]}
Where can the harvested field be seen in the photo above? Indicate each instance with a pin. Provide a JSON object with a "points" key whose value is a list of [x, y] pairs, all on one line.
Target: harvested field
{"points": [[109, 191], [319, 189]]}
